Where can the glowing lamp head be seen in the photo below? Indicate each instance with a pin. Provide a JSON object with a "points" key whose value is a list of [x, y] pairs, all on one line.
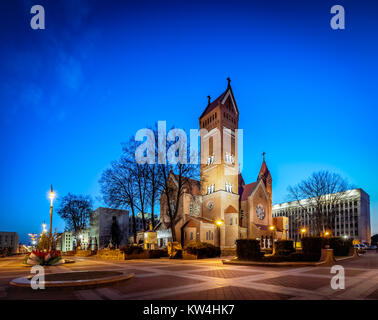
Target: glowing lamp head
{"points": [[326, 233], [303, 230], [271, 228], [52, 194], [219, 222]]}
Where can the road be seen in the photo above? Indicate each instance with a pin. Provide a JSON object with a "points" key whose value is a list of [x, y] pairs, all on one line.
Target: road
{"points": [[165, 279]]}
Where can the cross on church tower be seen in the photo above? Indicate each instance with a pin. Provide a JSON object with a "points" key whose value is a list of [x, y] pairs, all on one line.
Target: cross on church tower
{"points": [[263, 154], [229, 81]]}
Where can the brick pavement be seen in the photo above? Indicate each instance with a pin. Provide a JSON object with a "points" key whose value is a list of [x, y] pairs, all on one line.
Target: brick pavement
{"points": [[204, 279]]}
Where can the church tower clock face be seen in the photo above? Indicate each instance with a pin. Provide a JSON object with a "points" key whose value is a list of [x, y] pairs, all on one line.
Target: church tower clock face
{"points": [[210, 205], [260, 211]]}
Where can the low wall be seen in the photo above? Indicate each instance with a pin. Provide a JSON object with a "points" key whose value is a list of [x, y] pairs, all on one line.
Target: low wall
{"points": [[83, 253], [228, 252], [142, 255], [107, 254]]}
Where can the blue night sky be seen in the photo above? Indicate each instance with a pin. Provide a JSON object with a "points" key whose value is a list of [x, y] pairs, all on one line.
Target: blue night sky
{"points": [[101, 70]]}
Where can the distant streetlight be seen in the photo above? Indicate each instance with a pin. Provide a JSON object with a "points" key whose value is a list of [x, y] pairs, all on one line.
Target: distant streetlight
{"points": [[52, 197], [44, 227], [326, 233]]}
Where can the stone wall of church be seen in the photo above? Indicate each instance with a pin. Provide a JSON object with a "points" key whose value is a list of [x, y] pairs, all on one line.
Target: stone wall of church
{"points": [[259, 197], [231, 229]]}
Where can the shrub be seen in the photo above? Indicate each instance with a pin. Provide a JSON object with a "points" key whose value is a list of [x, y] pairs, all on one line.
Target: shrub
{"points": [[202, 250], [284, 247], [312, 247], [340, 246], [157, 253], [248, 249], [131, 249]]}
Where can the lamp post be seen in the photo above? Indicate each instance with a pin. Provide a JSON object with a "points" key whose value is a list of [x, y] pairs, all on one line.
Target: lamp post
{"points": [[51, 196], [273, 229], [219, 223], [303, 231]]}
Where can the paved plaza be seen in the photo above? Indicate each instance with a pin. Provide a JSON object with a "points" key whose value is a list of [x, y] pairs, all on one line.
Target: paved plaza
{"points": [[164, 279]]}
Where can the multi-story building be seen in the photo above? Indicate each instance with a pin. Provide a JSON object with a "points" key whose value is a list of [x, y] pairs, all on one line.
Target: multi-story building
{"points": [[69, 241], [9, 240], [349, 217]]}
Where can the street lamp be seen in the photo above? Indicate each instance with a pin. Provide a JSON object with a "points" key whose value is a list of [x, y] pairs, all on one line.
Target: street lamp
{"points": [[273, 229], [303, 231], [52, 197], [219, 223]]}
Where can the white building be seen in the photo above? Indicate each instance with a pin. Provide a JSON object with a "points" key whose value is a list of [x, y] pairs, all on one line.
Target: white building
{"points": [[350, 216], [69, 242], [9, 240]]}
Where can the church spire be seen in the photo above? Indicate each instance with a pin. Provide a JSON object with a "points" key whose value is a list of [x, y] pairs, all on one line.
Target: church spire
{"points": [[265, 175], [229, 82]]}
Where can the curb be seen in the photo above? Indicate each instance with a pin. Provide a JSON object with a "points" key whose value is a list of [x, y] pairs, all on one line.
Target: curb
{"points": [[282, 264], [24, 282]]}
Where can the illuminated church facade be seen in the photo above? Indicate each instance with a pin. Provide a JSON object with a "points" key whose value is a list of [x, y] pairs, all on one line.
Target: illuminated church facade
{"points": [[222, 208]]}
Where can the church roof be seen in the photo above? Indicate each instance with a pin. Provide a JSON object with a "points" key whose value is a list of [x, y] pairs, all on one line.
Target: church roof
{"points": [[264, 171], [214, 104], [247, 190], [193, 185], [219, 100], [240, 180], [230, 209]]}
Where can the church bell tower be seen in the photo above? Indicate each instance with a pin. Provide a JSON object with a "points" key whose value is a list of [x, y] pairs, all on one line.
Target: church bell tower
{"points": [[219, 164]]}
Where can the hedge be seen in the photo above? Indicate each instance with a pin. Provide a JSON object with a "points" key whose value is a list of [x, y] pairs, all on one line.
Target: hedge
{"points": [[312, 247], [202, 250], [157, 253], [131, 249], [284, 247], [340, 246], [248, 249]]}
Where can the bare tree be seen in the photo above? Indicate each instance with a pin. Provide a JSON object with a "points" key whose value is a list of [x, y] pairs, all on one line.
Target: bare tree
{"points": [[176, 179], [154, 178], [75, 210], [319, 197], [139, 173], [118, 188]]}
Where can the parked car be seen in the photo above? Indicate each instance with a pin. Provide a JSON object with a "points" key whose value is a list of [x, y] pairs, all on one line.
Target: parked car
{"points": [[372, 247]]}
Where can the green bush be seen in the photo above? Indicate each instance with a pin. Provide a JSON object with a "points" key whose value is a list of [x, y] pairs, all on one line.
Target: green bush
{"points": [[157, 253], [312, 247], [202, 250], [284, 247], [248, 249], [340, 246], [131, 249]]}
